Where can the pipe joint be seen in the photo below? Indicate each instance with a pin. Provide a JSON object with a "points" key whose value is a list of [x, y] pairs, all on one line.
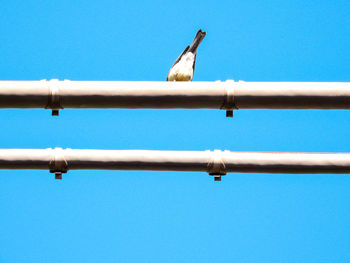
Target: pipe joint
{"points": [[54, 101], [216, 165], [58, 164], [229, 99]]}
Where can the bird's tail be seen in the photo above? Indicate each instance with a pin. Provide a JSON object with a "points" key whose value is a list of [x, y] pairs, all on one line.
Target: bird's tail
{"points": [[197, 40]]}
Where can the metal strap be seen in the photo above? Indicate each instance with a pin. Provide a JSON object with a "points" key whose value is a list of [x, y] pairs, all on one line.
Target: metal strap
{"points": [[58, 164], [216, 165], [54, 101], [229, 100]]}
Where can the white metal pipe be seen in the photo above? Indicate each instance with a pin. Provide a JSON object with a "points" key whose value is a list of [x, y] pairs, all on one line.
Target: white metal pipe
{"points": [[56, 94], [214, 162]]}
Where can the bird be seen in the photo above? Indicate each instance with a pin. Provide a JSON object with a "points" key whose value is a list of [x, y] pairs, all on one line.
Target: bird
{"points": [[184, 65]]}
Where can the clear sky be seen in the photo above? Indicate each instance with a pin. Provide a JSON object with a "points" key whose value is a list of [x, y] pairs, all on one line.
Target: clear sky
{"points": [[123, 216]]}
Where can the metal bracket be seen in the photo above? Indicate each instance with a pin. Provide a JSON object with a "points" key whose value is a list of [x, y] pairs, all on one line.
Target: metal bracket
{"points": [[58, 164], [216, 165], [54, 101], [229, 100]]}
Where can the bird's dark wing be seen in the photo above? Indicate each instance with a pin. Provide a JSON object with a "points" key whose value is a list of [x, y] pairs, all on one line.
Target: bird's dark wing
{"points": [[178, 59]]}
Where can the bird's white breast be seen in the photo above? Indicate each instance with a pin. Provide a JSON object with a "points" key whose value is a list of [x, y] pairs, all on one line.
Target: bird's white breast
{"points": [[184, 67]]}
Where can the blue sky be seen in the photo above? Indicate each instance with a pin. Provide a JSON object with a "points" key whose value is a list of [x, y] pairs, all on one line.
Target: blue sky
{"points": [[123, 216]]}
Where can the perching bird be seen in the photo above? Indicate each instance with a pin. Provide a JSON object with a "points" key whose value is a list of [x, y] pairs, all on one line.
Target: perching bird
{"points": [[183, 68]]}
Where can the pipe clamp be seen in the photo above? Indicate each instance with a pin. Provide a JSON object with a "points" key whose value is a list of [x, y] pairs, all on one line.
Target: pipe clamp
{"points": [[58, 164], [216, 166]]}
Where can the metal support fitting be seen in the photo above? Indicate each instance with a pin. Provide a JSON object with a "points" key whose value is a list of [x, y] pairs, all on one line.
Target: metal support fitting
{"points": [[54, 101], [58, 164], [216, 165], [229, 100]]}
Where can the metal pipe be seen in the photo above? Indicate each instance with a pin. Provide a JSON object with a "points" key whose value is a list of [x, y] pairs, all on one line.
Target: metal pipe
{"points": [[226, 95], [216, 163]]}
